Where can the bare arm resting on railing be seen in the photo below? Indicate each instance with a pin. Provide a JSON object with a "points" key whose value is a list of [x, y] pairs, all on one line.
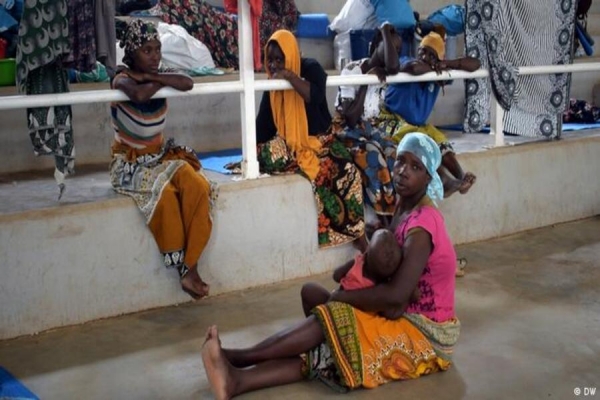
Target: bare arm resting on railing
{"points": [[383, 61], [141, 86]]}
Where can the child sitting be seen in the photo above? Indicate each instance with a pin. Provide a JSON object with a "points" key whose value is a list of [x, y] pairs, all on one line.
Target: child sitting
{"points": [[376, 265]]}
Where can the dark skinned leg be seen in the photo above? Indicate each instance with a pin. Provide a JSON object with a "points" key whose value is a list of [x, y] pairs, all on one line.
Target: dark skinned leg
{"points": [[226, 381], [290, 342], [466, 179], [451, 185], [450, 162]]}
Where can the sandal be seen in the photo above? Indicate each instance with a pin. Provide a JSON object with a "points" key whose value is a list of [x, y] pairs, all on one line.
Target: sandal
{"points": [[461, 263]]}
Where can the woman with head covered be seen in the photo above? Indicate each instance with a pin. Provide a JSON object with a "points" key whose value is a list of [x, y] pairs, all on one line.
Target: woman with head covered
{"points": [[292, 132], [164, 179], [346, 343], [408, 106]]}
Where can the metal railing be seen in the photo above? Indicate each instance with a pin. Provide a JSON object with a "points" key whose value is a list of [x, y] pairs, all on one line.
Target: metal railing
{"points": [[247, 86]]}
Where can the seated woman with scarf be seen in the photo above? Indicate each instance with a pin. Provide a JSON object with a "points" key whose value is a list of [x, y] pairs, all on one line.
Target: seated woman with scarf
{"points": [[291, 129], [346, 343], [355, 125], [408, 106], [164, 179]]}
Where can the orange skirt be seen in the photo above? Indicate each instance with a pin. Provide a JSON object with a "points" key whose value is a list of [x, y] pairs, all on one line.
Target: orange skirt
{"points": [[366, 350]]}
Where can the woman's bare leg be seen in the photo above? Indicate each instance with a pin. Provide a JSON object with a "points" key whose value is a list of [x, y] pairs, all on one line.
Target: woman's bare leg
{"points": [[193, 285], [290, 342], [465, 179], [226, 381], [312, 295]]}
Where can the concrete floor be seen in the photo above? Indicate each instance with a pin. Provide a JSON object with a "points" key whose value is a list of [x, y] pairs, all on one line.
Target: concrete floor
{"points": [[529, 304]]}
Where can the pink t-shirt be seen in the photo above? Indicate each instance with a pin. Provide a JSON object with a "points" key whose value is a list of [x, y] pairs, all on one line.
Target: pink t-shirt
{"points": [[355, 279], [437, 283]]}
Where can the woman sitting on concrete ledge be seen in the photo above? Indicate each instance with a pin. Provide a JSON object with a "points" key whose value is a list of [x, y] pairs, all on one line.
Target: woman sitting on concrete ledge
{"points": [[408, 106], [164, 179], [291, 129], [345, 343], [355, 125]]}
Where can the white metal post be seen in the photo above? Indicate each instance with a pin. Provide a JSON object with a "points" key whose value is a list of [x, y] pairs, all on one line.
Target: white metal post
{"points": [[497, 122], [247, 103]]}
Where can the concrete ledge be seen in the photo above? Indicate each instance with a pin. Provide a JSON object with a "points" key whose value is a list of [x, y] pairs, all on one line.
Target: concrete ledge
{"points": [[71, 264], [74, 263]]}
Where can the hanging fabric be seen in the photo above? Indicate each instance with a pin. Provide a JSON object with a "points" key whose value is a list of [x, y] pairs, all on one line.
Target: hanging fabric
{"points": [[256, 6], [106, 36], [503, 35], [82, 35], [42, 46]]}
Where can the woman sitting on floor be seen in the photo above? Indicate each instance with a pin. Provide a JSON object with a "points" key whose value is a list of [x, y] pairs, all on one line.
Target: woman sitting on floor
{"points": [[164, 179], [345, 343]]}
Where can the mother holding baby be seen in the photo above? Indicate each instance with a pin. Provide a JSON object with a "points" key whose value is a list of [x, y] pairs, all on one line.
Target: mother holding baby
{"points": [[345, 343]]}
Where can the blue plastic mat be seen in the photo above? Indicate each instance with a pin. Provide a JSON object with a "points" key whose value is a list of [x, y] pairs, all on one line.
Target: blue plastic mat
{"points": [[11, 388], [566, 127], [216, 160]]}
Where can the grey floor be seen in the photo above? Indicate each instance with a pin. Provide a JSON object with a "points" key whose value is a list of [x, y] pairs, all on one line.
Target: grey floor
{"points": [[529, 305]]}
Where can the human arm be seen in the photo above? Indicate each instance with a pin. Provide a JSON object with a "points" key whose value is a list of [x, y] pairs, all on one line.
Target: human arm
{"points": [[416, 67], [394, 295], [300, 85], [140, 87], [352, 109], [390, 52], [311, 84], [265, 125], [468, 64], [342, 270]]}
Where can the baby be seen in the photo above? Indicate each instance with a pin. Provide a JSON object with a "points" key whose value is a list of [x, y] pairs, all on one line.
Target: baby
{"points": [[377, 265]]}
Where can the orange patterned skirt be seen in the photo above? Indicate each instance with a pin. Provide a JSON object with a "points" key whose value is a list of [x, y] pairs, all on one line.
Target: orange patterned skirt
{"points": [[365, 350]]}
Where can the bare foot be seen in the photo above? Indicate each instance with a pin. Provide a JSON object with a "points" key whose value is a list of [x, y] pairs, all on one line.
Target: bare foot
{"points": [[451, 187], [468, 181], [193, 285], [218, 370]]}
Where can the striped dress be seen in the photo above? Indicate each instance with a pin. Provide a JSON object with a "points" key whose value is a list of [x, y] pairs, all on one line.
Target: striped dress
{"points": [[143, 161], [139, 125]]}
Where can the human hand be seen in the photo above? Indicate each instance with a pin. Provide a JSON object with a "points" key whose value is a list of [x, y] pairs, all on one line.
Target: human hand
{"points": [[441, 65], [380, 72], [283, 74], [386, 27], [8, 4], [392, 314]]}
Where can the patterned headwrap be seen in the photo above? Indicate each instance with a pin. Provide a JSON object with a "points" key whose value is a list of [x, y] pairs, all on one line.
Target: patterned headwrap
{"points": [[426, 150], [436, 43], [136, 34]]}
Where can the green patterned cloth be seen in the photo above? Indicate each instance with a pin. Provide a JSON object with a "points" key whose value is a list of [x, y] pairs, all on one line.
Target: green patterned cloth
{"points": [[43, 43]]}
